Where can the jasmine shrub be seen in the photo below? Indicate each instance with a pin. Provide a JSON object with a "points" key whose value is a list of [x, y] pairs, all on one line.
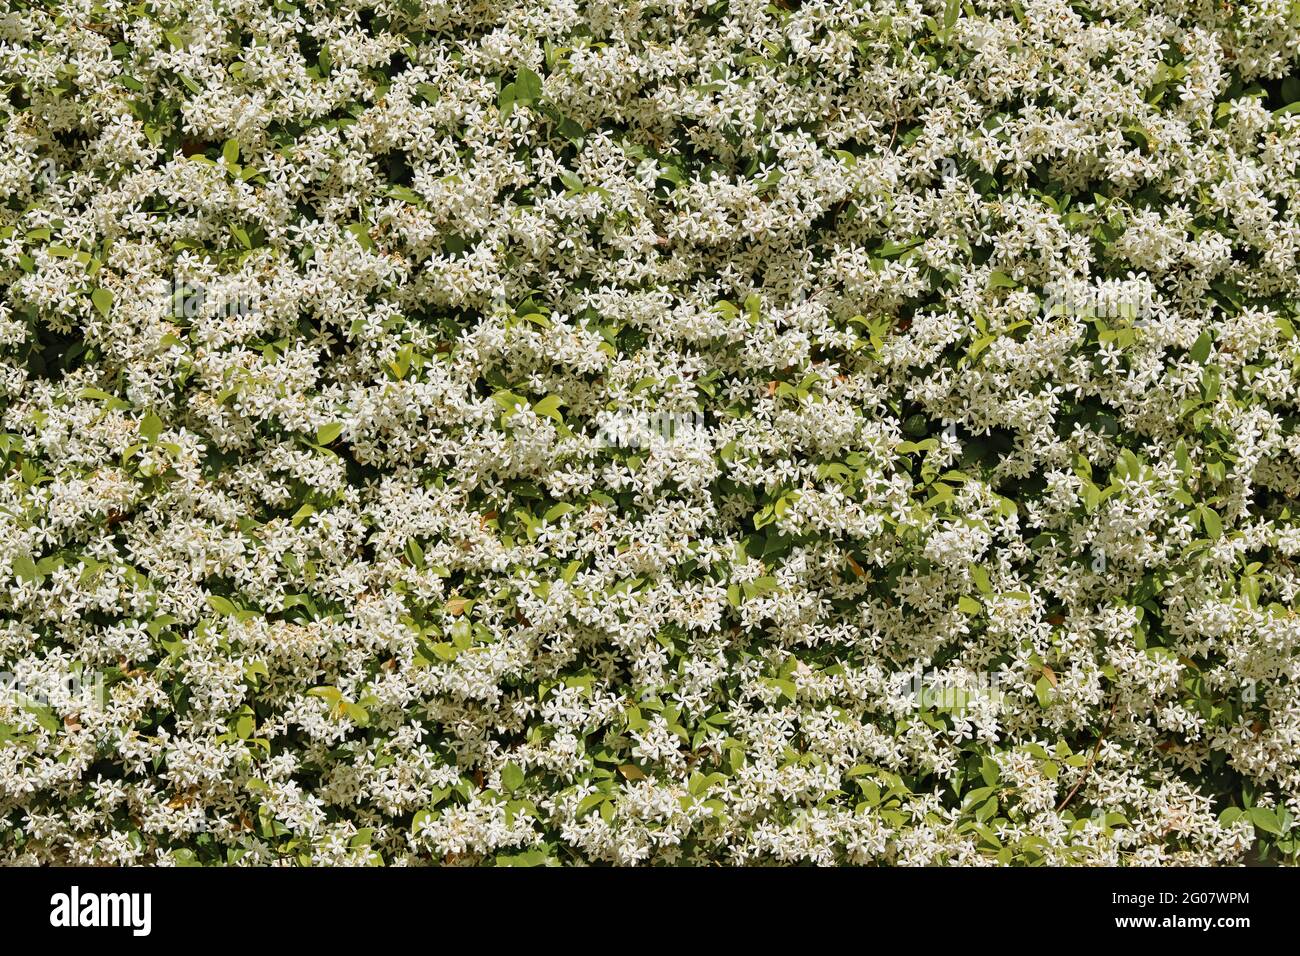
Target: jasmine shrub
{"points": [[649, 431]]}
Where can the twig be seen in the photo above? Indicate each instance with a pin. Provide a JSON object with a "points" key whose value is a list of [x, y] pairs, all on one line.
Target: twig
{"points": [[1091, 760]]}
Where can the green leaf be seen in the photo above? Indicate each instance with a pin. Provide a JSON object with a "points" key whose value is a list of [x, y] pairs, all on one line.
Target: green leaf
{"points": [[950, 11], [151, 427], [527, 858], [25, 569], [528, 86], [508, 400], [511, 777], [102, 299], [1266, 820], [222, 605], [45, 717], [361, 233], [989, 771], [327, 433], [1211, 522], [549, 407], [1200, 350], [557, 511], [506, 100], [1043, 691], [404, 194]]}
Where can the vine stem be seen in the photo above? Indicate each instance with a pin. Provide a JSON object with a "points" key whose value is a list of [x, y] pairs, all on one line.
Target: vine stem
{"points": [[1091, 760]]}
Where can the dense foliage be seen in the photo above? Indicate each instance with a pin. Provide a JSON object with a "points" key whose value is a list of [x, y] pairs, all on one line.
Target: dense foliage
{"points": [[649, 431]]}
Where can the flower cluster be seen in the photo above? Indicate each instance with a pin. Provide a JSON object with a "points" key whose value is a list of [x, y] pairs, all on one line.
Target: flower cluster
{"points": [[649, 431]]}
